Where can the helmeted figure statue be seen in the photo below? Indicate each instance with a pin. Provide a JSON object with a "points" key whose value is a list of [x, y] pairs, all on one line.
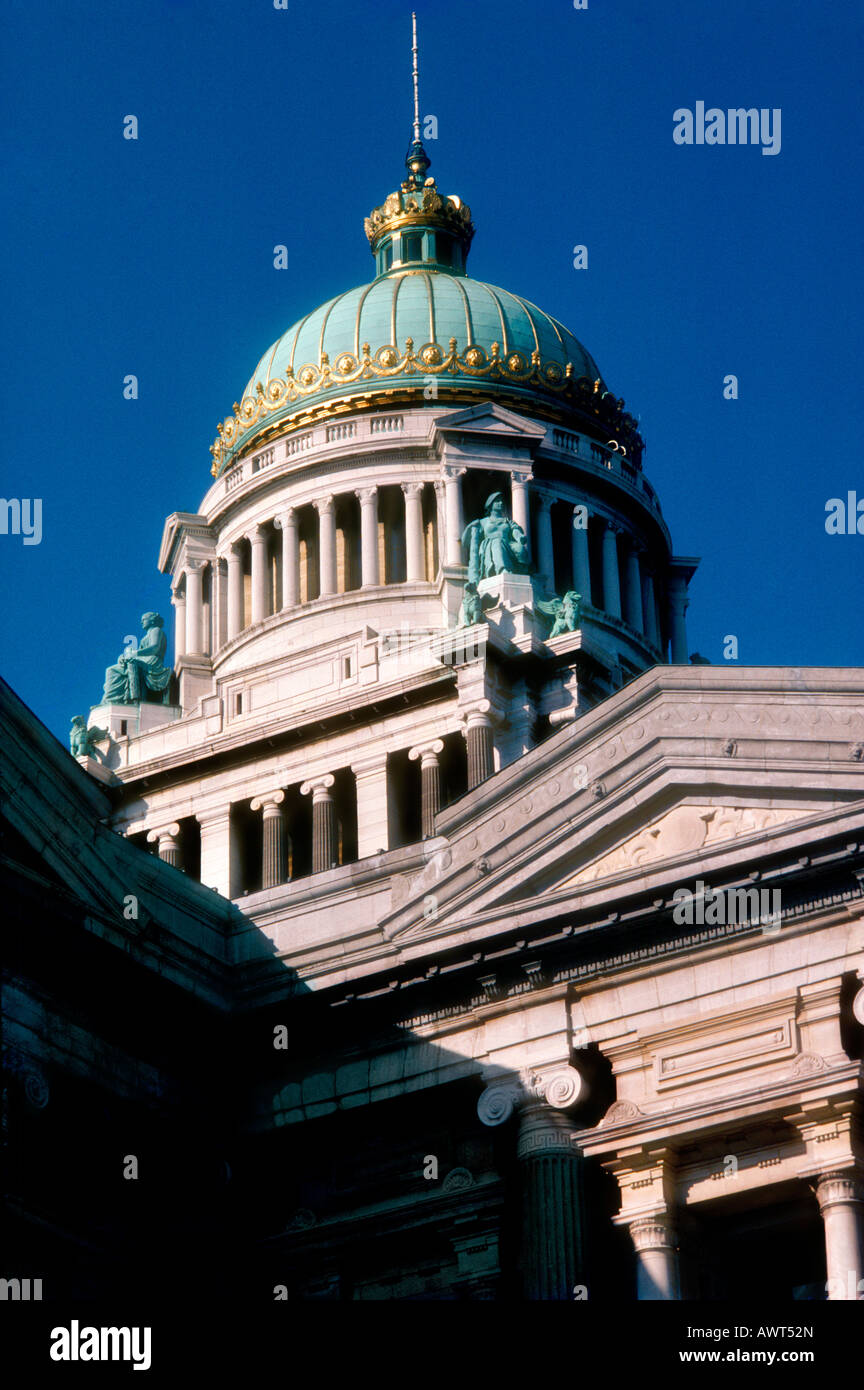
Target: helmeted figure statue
{"points": [[127, 682], [495, 543]]}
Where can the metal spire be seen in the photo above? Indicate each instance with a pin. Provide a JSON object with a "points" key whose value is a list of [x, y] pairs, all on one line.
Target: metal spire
{"points": [[416, 76]]}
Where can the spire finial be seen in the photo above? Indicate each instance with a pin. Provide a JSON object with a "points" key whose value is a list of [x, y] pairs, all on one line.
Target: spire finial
{"points": [[417, 159], [416, 76]]}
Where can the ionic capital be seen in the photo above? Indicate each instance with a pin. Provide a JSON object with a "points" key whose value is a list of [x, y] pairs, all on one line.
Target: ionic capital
{"points": [[319, 787], [268, 801], [168, 833], [427, 752]]}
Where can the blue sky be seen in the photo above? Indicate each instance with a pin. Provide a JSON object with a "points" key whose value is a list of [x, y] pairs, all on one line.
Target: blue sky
{"points": [[260, 126]]}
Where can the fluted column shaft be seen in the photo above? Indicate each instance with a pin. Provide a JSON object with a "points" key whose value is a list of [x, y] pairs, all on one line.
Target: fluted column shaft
{"points": [[287, 524], [430, 783], [260, 605], [168, 843], [581, 557], [454, 514], [634, 590], [326, 546], [478, 736], [545, 548], [415, 561], [194, 605], [274, 859], [611, 577], [324, 840], [235, 593], [368, 498], [219, 592], [552, 1205], [841, 1202]]}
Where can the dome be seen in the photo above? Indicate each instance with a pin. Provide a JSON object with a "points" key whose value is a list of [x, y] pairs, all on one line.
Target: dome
{"points": [[422, 328]]}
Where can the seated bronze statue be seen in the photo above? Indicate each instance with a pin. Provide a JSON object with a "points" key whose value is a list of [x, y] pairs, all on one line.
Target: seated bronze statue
{"points": [[137, 672]]}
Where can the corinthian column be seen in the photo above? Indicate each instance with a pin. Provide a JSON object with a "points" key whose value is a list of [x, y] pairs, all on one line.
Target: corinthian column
{"points": [[581, 558], [324, 844], [287, 524], [168, 844], [611, 578], [430, 783], [841, 1202], [415, 560], [179, 602], [258, 541], [326, 545], [634, 589], [194, 605], [545, 548], [454, 513], [273, 856], [649, 608], [235, 592], [368, 499]]}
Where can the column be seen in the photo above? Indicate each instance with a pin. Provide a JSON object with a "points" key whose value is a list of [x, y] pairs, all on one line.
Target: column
{"points": [[478, 734], [611, 579], [454, 512], [553, 1212], [657, 1275], [326, 546], [545, 551], [287, 524], [219, 597], [219, 854], [649, 608], [552, 1205], [370, 775], [633, 590], [581, 557], [415, 559], [179, 602], [274, 859], [235, 592], [168, 841], [678, 602], [430, 783], [841, 1202], [194, 578], [260, 578], [368, 499], [324, 847], [519, 500]]}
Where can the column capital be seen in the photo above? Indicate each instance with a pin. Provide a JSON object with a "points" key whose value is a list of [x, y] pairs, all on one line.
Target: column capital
{"points": [[412, 490], [653, 1233], [267, 800], [177, 598], [451, 472], [838, 1189], [257, 535], [166, 832], [366, 496], [319, 787], [520, 477], [555, 1089], [324, 505], [234, 554], [544, 499], [286, 518], [427, 752], [193, 564], [613, 528]]}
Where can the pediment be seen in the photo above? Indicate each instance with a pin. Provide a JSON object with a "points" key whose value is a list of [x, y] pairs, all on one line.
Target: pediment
{"points": [[490, 419]]}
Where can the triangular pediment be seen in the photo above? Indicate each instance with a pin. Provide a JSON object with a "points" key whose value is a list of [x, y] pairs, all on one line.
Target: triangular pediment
{"points": [[487, 418]]}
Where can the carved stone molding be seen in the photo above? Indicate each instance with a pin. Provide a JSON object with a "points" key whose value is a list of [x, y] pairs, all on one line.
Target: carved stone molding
{"points": [[457, 1180], [621, 1112]]}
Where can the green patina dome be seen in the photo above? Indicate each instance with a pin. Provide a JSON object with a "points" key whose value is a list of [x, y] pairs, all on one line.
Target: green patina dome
{"points": [[421, 330]]}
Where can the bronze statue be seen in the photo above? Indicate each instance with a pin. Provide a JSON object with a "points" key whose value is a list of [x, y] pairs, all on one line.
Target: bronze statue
{"points": [[496, 544], [136, 672]]}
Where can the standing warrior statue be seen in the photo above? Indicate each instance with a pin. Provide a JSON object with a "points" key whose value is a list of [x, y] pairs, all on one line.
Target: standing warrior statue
{"points": [[495, 543]]}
